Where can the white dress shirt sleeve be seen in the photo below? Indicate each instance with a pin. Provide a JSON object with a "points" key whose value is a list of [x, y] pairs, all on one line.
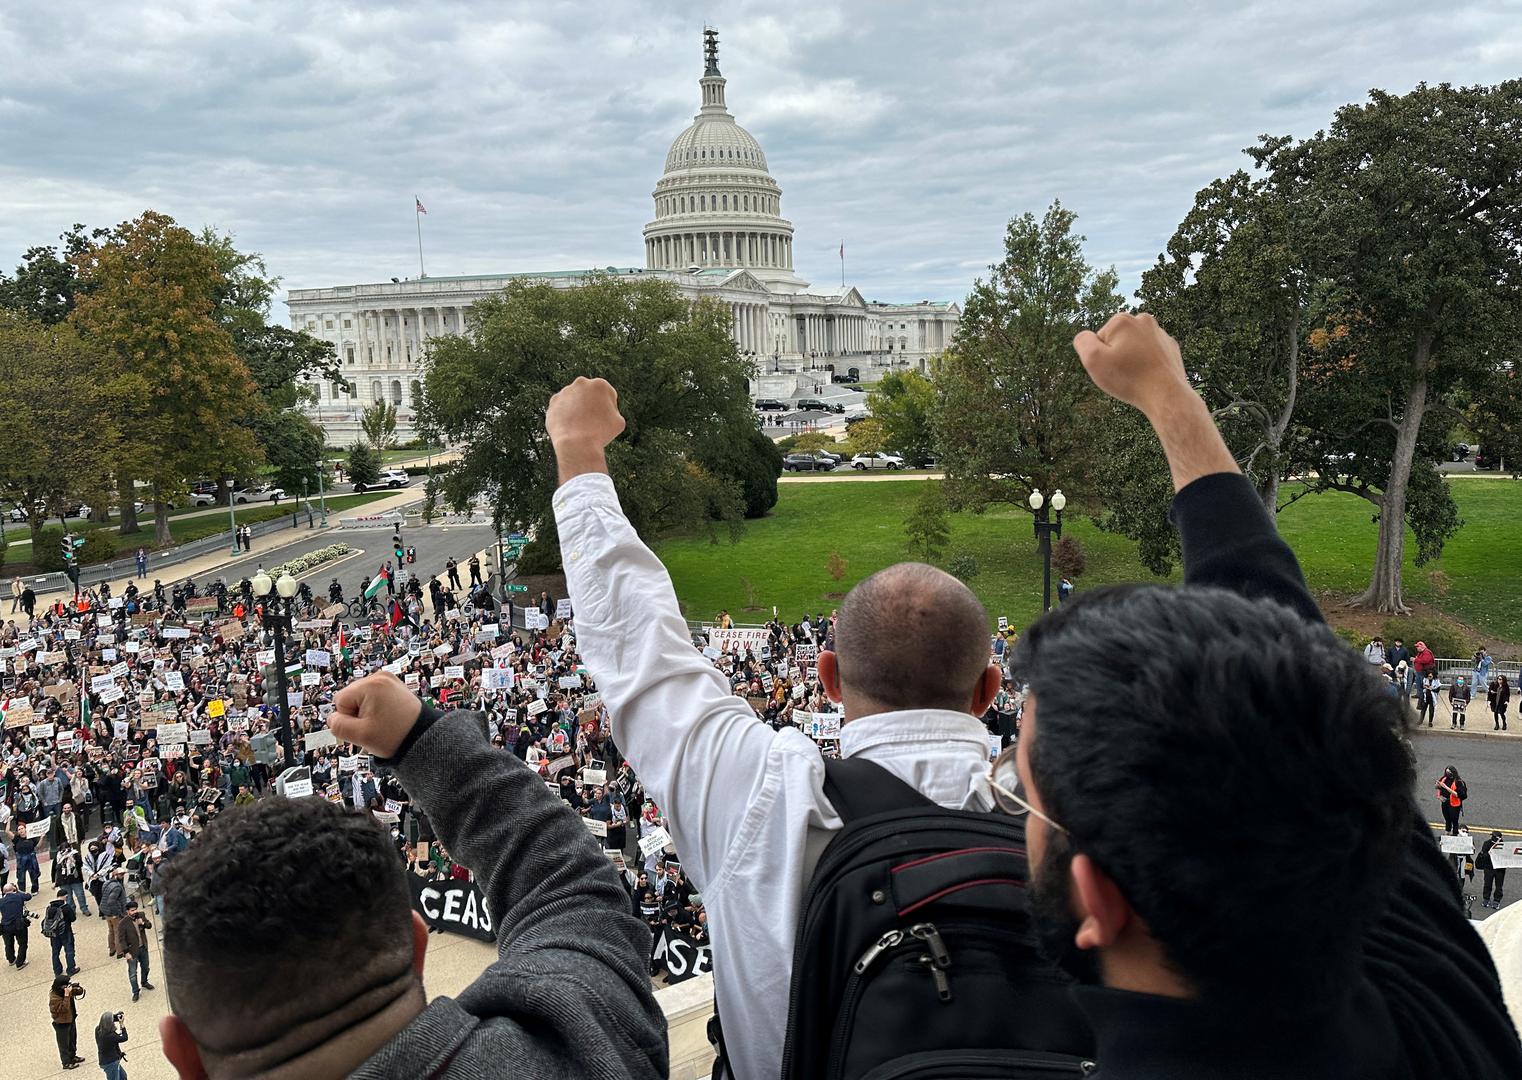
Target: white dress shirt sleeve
{"points": [[699, 750]]}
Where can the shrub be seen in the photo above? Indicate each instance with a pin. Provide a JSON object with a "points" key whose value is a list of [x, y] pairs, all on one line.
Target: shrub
{"points": [[963, 566], [1068, 558], [539, 558], [309, 561], [1443, 639], [47, 554], [97, 548]]}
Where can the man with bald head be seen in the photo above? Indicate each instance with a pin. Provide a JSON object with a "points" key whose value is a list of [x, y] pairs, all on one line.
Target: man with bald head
{"points": [[746, 805]]}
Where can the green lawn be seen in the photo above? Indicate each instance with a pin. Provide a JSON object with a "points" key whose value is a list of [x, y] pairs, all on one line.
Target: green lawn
{"points": [[783, 557]]}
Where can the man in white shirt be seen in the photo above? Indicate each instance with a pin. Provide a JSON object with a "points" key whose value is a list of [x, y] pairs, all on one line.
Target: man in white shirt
{"points": [[745, 804]]}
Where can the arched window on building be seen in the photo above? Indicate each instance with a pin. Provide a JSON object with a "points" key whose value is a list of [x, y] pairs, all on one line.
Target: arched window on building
{"points": [[702, 202], [396, 391], [726, 201], [376, 393]]}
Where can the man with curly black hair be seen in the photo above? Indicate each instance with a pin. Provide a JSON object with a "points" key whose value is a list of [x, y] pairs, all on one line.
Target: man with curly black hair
{"points": [[291, 949]]}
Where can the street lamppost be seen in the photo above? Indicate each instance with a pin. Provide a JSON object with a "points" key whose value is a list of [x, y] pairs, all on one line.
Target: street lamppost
{"points": [[1045, 530], [277, 619], [232, 516]]}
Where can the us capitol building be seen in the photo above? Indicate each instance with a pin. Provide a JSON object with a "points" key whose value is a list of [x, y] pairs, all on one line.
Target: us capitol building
{"points": [[718, 232]]}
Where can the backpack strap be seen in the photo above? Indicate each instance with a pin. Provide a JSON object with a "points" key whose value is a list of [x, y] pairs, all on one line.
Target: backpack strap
{"points": [[857, 788]]}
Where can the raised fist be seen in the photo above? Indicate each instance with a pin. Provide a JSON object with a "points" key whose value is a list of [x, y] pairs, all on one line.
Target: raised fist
{"points": [[1133, 359]]}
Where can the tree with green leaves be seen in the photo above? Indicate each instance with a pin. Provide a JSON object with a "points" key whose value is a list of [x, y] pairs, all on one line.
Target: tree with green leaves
{"points": [[45, 284], [58, 433], [1014, 411], [904, 403], [672, 362], [1415, 210], [364, 465], [147, 304], [378, 422], [1232, 288], [752, 460], [927, 528]]}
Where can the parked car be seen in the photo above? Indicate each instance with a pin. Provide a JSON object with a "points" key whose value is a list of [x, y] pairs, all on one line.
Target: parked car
{"points": [[1485, 460], [807, 463], [770, 405], [204, 498], [1461, 451], [878, 460], [391, 478], [264, 494], [17, 513], [835, 459], [816, 405]]}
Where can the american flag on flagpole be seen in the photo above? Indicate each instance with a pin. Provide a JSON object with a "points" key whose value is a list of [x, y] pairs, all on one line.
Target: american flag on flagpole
{"points": [[420, 208]]}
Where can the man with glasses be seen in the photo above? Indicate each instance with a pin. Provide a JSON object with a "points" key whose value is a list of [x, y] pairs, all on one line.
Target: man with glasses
{"points": [[1223, 843]]}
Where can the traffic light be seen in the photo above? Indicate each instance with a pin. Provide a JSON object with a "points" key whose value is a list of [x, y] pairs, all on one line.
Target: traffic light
{"points": [[68, 550], [272, 687]]}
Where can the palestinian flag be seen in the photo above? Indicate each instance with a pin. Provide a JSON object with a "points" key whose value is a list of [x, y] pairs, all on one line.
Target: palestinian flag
{"points": [[397, 614], [382, 580], [343, 645]]}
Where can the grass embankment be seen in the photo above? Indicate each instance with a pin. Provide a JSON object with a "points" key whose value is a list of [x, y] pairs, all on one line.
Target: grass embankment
{"points": [[783, 558]]}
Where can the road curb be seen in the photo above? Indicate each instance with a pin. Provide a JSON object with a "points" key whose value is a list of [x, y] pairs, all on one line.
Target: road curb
{"points": [[1499, 736]]}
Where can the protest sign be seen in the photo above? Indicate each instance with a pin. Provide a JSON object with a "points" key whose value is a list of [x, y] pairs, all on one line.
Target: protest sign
{"points": [[1463, 844], [215, 708], [1506, 855], [560, 764], [319, 658], [456, 907], [100, 682], [174, 632], [41, 731], [200, 737], [316, 740], [171, 750], [119, 729], [563, 608], [739, 638], [71, 635], [443, 650], [174, 681], [172, 733], [105, 654], [20, 713], [230, 630], [454, 671], [536, 707], [265, 656], [1003, 623], [569, 682], [112, 693], [311, 678], [653, 841], [595, 827], [595, 777], [496, 679], [350, 762]]}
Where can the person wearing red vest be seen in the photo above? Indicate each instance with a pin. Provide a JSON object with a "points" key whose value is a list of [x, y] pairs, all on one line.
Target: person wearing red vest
{"points": [[1451, 793]]}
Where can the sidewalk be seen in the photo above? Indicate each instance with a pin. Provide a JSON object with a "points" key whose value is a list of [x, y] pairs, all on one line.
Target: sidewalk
{"points": [[263, 545]]}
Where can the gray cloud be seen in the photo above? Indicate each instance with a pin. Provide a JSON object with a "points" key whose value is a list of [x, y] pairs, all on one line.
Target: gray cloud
{"points": [[534, 132]]}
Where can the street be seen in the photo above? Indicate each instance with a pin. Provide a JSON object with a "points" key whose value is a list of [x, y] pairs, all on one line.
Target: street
{"points": [[1489, 766], [434, 543]]}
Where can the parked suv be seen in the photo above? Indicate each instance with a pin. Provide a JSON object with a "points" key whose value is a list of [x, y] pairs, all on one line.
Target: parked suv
{"points": [[808, 463], [391, 478], [815, 405], [770, 405], [878, 460]]}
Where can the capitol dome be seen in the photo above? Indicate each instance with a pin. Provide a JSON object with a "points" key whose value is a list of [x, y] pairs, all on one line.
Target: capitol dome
{"points": [[716, 205]]}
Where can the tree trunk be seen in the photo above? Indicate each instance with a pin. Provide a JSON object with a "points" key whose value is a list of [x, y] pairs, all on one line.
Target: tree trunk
{"points": [[1385, 585], [161, 533], [125, 493], [1269, 491]]}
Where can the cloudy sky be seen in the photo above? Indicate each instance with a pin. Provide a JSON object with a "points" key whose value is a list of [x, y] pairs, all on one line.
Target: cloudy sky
{"points": [[534, 132]]}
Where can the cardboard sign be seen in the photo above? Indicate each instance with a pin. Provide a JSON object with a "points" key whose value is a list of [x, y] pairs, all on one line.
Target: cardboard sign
{"points": [[41, 731], [174, 681], [316, 740], [536, 707], [563, 608], [112, 694], [100, 682], [173, 632], [560, 764], [200, 737], [311, 678], [231, 630], [595, 777], [595, 827], [172, 733], [319, 658], [1463, 844]]}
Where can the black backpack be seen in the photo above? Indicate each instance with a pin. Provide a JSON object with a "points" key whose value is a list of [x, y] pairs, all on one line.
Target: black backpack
{"points": [[54, 922], [915, 956]]}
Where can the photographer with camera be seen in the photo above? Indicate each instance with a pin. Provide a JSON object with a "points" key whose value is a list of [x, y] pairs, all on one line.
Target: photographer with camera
{"points": [[110, 1033], [13, 924], [61, 1004]]}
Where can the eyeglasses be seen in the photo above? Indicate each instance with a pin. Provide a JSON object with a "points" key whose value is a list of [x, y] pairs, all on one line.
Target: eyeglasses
{"points": [[1009, 791]]}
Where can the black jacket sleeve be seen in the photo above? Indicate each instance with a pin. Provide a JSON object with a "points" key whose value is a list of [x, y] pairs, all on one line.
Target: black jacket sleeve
{"points": [[1230, 542]]}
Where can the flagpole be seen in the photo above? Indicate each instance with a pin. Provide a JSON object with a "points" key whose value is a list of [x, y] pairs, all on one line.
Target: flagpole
{"points": [[417, 216], [842, 264]]}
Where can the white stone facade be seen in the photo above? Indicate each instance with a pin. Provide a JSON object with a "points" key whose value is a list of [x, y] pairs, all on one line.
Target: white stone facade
{"points": [[718, 232]]}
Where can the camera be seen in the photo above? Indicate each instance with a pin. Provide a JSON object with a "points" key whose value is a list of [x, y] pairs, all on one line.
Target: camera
{"points": [[79, 991], [117, 1017]]}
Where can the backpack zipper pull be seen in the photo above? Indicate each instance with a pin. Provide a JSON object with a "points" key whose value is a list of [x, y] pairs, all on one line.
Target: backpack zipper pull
{"points": [[927, 933], [942, 983], [887, 941]]}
